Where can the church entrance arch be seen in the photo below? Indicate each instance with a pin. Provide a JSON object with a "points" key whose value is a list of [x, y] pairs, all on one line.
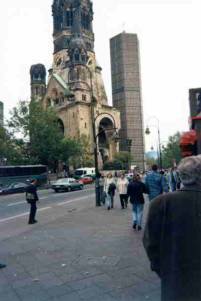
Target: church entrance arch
{"points": [[105, 131]]}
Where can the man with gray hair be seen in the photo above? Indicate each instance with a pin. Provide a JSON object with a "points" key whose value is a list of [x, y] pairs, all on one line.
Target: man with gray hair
{"points": [[172, 237]]}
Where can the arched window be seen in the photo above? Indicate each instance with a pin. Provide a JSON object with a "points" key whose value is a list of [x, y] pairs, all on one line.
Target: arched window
{"points": [[61, 125], [56, 101], [83, 56], [35, 76], [69, 18], [76, 55], [58, 22], [85, 20], [48, 102]]}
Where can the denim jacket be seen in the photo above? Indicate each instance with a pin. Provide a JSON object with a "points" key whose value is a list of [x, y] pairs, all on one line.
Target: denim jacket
{"points": [[156, 184]]}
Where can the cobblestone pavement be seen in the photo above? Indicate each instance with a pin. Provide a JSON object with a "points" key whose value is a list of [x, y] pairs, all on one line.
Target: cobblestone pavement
{"points": [[86, 253]]}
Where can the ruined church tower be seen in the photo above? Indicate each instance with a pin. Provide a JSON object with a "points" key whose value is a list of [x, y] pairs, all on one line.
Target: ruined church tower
{"points": [[75, 87]]}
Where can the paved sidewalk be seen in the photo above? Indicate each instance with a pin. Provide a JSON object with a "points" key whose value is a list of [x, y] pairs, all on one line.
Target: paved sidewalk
{"points": [[86, 254]]}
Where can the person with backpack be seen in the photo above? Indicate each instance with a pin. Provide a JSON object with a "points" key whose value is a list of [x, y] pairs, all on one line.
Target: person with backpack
{"points": [[156, 183], [32, 198]]}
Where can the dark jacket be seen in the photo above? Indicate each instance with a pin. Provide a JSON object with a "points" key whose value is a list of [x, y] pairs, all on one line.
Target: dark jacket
{"points": [[31, 194], [135, 192], [111, 189], [172, 240]]}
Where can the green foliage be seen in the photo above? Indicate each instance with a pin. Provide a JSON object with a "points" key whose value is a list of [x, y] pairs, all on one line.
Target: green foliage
{"points": [[171, 152], [70, 148], [19, 121], [151, 161], [45, 135], [45, 143], [124, 158], [87, 156], [11, 150], [121, 161], [113, 165]]}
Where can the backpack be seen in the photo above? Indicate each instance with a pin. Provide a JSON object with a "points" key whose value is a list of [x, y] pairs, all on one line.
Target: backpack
{"points": [[111, 189]]}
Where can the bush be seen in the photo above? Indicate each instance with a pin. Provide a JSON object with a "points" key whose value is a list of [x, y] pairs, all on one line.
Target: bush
{"points": [[113, 165]]}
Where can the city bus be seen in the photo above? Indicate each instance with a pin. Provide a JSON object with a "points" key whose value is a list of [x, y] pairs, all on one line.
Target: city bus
{"points": [[23, 173]]}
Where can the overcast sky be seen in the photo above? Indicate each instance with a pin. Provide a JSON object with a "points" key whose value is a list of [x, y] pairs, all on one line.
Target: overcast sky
{"points": [[170, 46]]}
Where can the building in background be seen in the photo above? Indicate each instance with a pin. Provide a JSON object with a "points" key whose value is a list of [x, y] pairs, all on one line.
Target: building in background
{"points": [[126, 92], [75, 88], [1, 113], [190, 142]]}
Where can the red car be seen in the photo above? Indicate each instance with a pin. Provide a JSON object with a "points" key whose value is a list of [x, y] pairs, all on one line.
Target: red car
{"points": [[86, 180]]}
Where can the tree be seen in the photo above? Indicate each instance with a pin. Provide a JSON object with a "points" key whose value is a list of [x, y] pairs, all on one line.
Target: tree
{"points": [[42, 134], [10, 150], [171, 153], [87, 156], [151, 161], [124, 158], [113, 165], [70, 149]]}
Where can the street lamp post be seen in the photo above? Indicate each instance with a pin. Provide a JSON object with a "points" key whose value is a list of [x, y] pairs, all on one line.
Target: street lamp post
{"points": [[95, 147], [147, 132], [129, 144]]}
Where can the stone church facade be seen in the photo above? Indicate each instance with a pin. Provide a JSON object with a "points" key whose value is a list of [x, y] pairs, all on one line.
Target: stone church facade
{"points": [[75, 88]]}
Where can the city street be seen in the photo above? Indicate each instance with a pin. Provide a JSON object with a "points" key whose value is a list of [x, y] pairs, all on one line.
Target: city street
{"points": [[75, 252], [14, 208]]}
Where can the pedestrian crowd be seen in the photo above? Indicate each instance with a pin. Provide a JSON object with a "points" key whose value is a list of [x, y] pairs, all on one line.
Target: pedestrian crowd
{"points": [[172, 234], [132, 189]]}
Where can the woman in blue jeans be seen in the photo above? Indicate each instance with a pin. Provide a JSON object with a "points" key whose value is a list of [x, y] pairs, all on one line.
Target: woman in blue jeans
{"points": [[135, 191]]}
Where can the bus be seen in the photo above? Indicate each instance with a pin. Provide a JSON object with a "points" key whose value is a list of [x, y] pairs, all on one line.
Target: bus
{"points": [[23, 173]]}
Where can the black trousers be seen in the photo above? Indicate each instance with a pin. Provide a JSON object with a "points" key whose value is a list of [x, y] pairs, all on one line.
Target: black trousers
{"points": [[32, 214], [124, 200]]}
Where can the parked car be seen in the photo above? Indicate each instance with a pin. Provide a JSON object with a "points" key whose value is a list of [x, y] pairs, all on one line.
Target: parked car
{"points": [[14, 188], [86, 180], [67, 184]]}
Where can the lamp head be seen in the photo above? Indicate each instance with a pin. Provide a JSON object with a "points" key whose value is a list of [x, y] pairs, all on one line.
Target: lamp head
{"points": [[147, 131]]}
